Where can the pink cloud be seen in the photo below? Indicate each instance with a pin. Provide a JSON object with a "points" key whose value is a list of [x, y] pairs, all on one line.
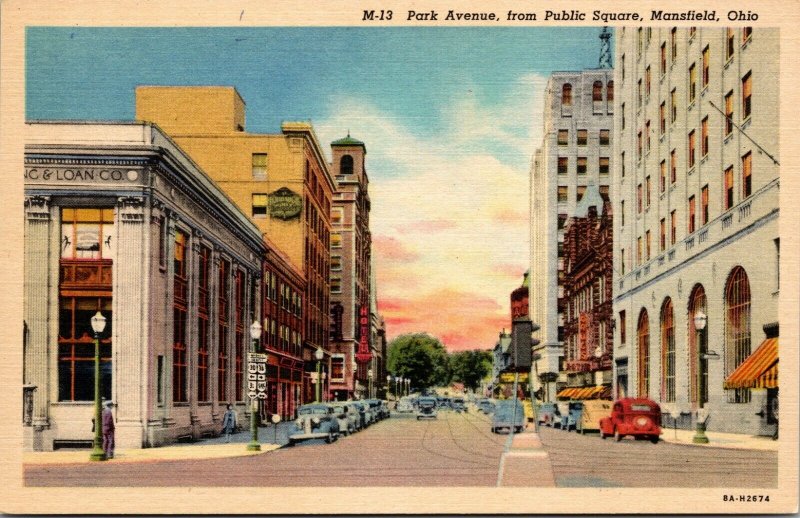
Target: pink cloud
{"points": [[511, 216], [512, 270], [390, 248], [427, 226]]}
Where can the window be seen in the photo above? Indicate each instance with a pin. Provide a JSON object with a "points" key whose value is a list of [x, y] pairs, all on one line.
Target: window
{"points": [[647, 245], [610, 91], [203, 331], [336, 240], [747, 168], [563, 193], [729, 113], [667, 352], [336, 284], [222, 329], [337, 215], [259, 205], [673, 167], [704, 205], [622, 213], [180, 304], [662, 235], [662, 174], [639, 43], [622, 164], [691, 214], [583, 137], [737, 328], [691, 149], [566, 95], [673, 105], [76, 346], [603, 166], [692, 83], [647, 136], [746, 95], [605, 137], [622, 66], [704, 136], [706, 65], [639, 145], [562, 221], [563, 137], [622, 261], [727, 192], [747, 33], [673, 227], [662, 117], [647, 82], [87, 233], [622, 116], [673, 38], [692, 30], [643, 339], [639, 198], [639, 250], [581, 191], [663, 69], [647, 191], [581, 165], [729, 37], [563, 165], [337, 368], [597, 91], [239, 337], [639, 93], [346, 165], [259, 166], [604, 193], [622, 327], [336, 263]]}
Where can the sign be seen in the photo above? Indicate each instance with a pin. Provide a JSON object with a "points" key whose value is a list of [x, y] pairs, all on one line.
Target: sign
{"points": [[508, 377], [363, 355], [257, 375], [285, 204], [83, 175]]}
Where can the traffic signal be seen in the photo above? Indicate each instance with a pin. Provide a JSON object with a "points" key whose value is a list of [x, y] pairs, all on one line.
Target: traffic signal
{"points": [[521, 344]]}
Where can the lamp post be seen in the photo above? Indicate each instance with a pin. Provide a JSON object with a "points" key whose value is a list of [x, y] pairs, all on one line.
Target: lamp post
{"points": [[319, 355], [98, 326], [369, 377], [408, 386], [388, 385], [255, 334], [700, 321]]}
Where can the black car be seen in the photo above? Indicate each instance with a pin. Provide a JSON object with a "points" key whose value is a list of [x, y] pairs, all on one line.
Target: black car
{"points": [[426, 408]]}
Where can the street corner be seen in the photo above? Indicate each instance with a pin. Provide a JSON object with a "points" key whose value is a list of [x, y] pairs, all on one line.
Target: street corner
{"points": [[721, 440]]}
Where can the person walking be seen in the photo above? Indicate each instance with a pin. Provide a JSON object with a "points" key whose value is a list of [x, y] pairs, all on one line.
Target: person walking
{"points": [[108, 430], [229, 423]]}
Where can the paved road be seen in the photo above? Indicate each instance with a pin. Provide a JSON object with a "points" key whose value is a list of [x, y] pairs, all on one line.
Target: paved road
{"points": [[454, 450], [588, 461]]}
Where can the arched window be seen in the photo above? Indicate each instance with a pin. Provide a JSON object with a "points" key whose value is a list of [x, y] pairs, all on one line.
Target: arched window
{"points": [[643, 335], [698, 345], [346, 165], [737, 328], [597, 91], [610, 91], [566, 95], [667, 352]]}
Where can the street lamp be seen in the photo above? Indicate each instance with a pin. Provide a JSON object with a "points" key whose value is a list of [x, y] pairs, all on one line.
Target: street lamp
{"points": [[319, 355], [369, 376], [700, 321], [408, 386], [388, 385], [255, 334], [98, 326]]}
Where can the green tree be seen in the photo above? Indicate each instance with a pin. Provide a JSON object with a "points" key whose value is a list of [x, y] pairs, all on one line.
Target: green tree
{"points": [[470, 367], [420, 357]]}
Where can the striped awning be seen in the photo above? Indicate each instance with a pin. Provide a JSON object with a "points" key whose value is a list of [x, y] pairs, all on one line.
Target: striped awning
{"points": [[759, 370], [566, 393]]}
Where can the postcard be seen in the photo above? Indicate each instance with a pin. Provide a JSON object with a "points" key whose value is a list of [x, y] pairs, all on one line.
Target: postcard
{"points": [[421, 257]]}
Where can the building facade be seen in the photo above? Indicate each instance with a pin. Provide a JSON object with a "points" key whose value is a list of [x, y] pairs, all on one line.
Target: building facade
{"points": [[576, 152], [282, 181], [696, 185], [118, 220]]}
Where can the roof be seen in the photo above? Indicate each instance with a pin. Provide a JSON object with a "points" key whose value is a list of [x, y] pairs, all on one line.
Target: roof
{"points": [[348, 141]]}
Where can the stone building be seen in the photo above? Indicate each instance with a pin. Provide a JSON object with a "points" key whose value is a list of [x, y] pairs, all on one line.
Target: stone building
{"points": [[697, 248], [119, 220]]}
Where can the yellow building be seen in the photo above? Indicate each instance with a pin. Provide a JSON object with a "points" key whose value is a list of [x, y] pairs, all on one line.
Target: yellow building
{"points": [[282, 181]]}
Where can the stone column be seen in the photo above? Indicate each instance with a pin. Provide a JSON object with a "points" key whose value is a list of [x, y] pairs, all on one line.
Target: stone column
{"points": [[172, 219], [130, 311], [37, 278], [155, 299]]}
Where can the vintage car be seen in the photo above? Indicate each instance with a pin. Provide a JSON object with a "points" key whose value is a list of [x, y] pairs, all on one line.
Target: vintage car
{"points": [[591, 412], [315, 421], [363, 412], [637, 417], [404, 406], [486, 406], [426, 408], [459, 405], [509, 415], [348, 416], [548, 415], [376, 407], [565, 422]]}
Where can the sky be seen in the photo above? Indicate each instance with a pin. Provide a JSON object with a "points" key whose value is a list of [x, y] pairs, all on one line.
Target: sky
{"points": [[450, 118]]}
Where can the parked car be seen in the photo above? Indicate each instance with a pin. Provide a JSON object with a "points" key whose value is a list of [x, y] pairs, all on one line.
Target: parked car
{"points": [[637, 417], [405, 405], [459, 405], [363, 412], [592, 411], [486, 406], [549, 415], [509, 415], [348, 416], [376, 407], [315, 421], [426, 408]]}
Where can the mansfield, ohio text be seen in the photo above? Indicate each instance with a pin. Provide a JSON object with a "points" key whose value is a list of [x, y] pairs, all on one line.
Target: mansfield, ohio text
{"points": [[571, 15]]}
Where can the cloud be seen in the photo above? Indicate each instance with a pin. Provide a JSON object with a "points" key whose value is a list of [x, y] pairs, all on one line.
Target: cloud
{"points": [[450, 209]]}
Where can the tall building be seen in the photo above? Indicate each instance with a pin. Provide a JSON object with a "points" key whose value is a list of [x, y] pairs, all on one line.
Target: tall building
{"points": [[697, 248], [120, 222], [352, 342], [282, 181], [575, 153]]}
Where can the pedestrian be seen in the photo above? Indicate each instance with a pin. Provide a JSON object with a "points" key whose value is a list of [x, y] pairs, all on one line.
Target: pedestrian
{"points": [[229, 423], [108, 430]]}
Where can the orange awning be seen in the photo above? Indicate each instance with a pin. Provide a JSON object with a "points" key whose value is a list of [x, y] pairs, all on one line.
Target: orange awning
{"points": [[759, 370], [566, 393]]}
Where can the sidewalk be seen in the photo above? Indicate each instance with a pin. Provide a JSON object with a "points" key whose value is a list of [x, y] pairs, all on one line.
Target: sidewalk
{"points": [[211, 448], [720, 440]]}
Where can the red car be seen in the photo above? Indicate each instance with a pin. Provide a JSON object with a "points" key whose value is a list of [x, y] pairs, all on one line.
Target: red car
{"points": [[638, 417]]}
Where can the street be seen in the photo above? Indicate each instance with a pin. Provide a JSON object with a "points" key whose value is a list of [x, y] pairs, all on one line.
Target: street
{"points": [[453, 450]]}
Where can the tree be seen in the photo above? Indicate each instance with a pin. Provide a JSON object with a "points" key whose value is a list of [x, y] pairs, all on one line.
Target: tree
{"points": [[420, 357], [470, 367]]}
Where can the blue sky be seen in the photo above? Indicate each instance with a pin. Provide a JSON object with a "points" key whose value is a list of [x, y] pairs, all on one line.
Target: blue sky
{"points": [[450, 117]]}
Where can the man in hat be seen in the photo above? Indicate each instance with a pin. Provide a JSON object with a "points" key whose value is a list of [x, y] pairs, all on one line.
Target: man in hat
{"points": [[108, 430]]}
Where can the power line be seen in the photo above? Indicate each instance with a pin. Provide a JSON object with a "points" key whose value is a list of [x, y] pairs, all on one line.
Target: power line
{"points": [[730, 119]]}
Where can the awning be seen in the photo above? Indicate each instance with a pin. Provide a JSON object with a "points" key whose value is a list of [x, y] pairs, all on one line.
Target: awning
{"points": [[566, 393], [759, 370]]}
